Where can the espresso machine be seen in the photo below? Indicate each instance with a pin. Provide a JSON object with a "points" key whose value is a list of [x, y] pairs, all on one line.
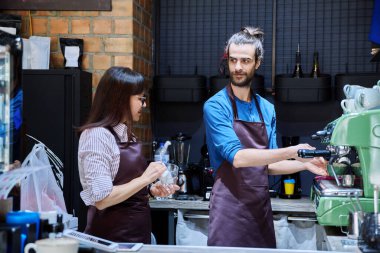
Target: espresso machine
{"points": [[351, 139]]}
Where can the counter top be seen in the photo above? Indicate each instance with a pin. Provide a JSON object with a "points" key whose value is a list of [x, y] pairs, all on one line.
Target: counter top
{"points": [[205, 249], [303, 205], [341, 243], [336, 241]]}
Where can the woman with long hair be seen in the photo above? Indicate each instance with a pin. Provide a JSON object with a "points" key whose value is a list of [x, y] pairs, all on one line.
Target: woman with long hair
{"points": [[113, 171]]}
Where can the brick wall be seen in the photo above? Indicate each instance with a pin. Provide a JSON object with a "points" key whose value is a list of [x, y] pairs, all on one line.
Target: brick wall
{"points": [[121, 37]]}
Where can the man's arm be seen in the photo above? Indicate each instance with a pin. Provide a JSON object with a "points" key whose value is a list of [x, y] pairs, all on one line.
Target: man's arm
{"points": [[316, 165], [257, 157]]}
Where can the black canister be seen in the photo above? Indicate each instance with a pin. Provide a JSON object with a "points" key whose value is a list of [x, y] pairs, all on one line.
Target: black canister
{"points": [[13, 234], [371, 230]]}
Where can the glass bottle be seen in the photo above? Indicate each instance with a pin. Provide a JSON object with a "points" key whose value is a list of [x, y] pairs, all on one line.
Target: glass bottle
{"points": [[298, 69], [315, 72]]}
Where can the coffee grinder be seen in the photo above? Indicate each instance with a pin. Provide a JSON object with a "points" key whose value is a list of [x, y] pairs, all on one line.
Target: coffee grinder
{"points": [[293, 178]]}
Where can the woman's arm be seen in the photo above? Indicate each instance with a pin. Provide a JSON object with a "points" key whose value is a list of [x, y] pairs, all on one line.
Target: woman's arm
{"points": [[122, 192]]}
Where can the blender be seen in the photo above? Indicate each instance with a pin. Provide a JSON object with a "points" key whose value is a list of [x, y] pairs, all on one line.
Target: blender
{"points": [[181, 151]]}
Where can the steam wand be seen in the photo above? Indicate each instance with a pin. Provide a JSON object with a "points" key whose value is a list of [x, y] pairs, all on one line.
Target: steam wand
{"points": [[331, 161]]}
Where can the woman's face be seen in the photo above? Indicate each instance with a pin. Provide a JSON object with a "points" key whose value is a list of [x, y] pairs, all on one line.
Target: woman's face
{"points": [[137, 102]]}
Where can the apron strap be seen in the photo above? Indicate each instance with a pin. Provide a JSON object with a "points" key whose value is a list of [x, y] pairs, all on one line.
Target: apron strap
{"points": [[233, 102]]}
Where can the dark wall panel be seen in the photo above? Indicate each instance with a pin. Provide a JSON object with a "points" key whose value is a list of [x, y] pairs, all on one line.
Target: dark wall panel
{"points": [[192, 33]]}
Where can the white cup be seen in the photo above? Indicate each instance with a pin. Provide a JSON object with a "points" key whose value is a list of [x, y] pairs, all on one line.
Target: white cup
{"points": [[377, 86], [367, 99], [349, 106], [351, 90], [57, 245]]}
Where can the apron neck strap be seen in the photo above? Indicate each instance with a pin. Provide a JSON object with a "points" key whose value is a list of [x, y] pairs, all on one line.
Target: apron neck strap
{"points": [[231, 95]]}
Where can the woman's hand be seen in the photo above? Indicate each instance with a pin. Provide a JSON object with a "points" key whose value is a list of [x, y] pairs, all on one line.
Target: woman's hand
{"points": [[317, 165], [160, 190], [154, 171], [15, 165]]}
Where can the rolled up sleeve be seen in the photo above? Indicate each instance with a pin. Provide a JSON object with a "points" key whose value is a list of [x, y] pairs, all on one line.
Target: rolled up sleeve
{"points": [[220, 132], [95, 162]]}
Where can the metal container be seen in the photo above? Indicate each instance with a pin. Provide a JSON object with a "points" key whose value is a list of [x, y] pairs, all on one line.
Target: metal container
{"points": [[348, 180], [355, 221]]}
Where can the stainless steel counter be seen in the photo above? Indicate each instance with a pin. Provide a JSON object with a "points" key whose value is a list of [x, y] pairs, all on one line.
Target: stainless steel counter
{"points": [[341, 243], [303, 205]]}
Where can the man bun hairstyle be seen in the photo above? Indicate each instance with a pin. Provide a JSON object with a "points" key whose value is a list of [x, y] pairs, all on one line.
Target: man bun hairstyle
{"points": [[248, 35]]}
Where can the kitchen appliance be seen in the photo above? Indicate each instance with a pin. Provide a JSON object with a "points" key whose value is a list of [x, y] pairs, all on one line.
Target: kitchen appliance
{"points": [[207, 175], [199, 180], [286, 142], [181, 151], [6, 70], [354, 139], [10, 98]]}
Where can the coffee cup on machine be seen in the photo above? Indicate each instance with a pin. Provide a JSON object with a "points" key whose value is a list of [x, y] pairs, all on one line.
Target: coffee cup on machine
{"points": [[351, 90], [377, 86], [367, 99], [349, 106]]}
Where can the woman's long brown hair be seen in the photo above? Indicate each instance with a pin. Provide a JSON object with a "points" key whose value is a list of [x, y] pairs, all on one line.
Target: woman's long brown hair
{"points": [[111, 104]]}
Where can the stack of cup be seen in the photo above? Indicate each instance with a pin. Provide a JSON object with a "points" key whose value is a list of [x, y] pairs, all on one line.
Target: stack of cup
{"points": [[359, 98]]}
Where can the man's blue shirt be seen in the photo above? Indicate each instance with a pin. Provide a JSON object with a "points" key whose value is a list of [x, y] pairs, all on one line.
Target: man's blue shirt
{"points": [[222, 141]]}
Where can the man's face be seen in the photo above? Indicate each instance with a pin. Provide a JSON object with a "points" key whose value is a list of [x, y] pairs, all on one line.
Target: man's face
{"points": [[242, 64]]}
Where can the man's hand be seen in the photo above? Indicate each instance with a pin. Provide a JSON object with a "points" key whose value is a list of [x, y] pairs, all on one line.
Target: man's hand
{"points": [[317, 165]]}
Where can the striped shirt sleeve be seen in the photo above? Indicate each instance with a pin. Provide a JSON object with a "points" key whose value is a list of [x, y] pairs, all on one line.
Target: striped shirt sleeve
{"points": [[98, 160]]}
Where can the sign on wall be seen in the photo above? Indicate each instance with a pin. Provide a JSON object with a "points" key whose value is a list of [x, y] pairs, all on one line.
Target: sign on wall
{"points": [[56, 5]]}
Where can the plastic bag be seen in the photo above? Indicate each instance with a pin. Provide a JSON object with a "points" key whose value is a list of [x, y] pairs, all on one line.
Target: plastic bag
{"points": [[40, 191]]}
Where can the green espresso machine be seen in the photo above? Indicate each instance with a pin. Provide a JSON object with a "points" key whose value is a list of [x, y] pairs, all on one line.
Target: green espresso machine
{"points": [[352, 139]]}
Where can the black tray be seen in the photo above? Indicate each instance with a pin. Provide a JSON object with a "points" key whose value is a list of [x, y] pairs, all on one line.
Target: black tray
{"points": [[307, 89], [219, 82], [180, 88], [367, 80]]}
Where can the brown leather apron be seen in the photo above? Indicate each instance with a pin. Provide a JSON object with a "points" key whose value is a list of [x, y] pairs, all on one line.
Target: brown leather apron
{"points": [[130, 220], [240, 207]]}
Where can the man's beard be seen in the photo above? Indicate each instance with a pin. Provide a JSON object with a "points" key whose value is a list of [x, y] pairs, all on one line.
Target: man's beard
{"points": [[246, 83]]}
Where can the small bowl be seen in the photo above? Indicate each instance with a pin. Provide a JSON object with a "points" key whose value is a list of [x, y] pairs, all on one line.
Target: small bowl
{"points": [[339, 169], [356, 168]]}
